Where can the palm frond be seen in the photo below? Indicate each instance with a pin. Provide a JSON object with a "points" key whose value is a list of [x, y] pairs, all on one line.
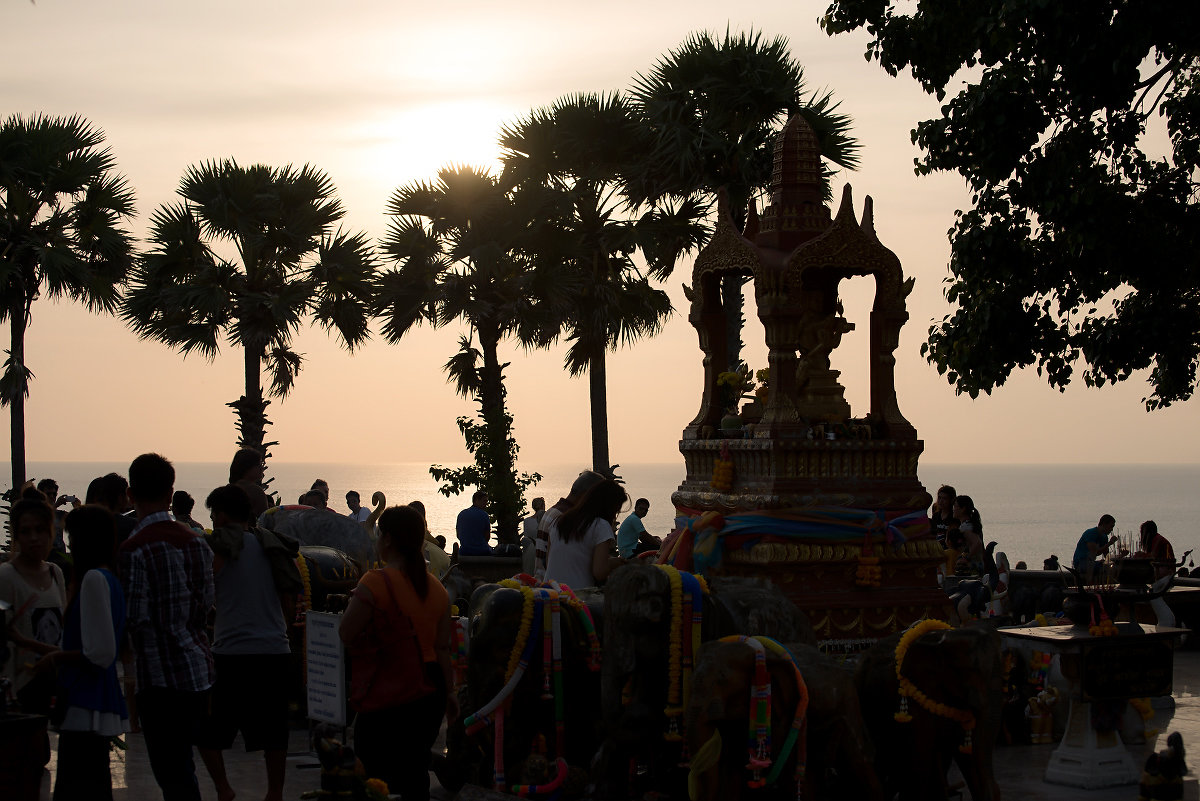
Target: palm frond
{"points": [[282, 364], [14, 382], [462, 369]]}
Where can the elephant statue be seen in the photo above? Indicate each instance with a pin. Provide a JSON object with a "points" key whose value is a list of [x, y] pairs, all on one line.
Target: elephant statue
{"points": [[637, 622], [312, 526], [961, 668], [530, 736], [331, 577], [838, 752]]}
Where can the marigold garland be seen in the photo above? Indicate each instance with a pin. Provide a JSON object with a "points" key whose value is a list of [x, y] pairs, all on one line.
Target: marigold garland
{"points": [[964, 717], [526, 625], [305, 600], [376, 789]]}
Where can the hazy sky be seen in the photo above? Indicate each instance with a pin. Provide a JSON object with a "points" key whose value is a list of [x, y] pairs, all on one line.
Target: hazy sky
{"points": [[382, 93]]}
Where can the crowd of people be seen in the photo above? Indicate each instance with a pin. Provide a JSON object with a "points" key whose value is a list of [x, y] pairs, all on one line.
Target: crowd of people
{"points": [[128, 614], [982, 574]]}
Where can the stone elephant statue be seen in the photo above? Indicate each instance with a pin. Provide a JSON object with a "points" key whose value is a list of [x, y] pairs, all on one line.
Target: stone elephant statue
{"points": [[530, 719], [332, 575], [311, 526], [838, 753], [637, 621], [961, 668]]}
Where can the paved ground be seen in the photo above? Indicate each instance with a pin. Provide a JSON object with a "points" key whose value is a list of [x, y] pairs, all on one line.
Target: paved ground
{"points": [[1019, 770]]}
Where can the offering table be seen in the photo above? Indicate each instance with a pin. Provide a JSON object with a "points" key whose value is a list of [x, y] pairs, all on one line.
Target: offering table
{"points": [[1136, 662]]}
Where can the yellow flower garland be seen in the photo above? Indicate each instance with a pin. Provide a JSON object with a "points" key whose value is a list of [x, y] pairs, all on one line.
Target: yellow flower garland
{"points": [[514, 658], [305, 600], [964, 717]]}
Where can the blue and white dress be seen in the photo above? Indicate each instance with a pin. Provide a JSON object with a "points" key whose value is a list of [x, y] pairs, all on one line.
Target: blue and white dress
{"points": [[94, 625]]}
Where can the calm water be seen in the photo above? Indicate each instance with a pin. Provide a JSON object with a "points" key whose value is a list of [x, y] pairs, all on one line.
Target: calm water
{"points": [[1032, 511]]}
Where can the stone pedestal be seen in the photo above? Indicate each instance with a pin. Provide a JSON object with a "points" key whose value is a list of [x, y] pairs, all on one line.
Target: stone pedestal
{"points": [[1090, 759]]}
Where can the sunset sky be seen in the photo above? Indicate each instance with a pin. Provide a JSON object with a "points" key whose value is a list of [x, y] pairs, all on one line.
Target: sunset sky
{"points": [[379, 94]]}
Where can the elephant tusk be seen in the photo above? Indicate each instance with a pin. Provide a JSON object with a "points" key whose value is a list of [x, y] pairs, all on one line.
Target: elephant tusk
{"points": [[703, 761]]}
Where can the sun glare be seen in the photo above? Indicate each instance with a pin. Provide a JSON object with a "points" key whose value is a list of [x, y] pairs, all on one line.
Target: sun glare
{"points": [[413, 144]]}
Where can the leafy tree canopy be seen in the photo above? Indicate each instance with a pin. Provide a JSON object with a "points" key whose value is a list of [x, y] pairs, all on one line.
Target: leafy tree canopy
{"points": [[1083, 237]]}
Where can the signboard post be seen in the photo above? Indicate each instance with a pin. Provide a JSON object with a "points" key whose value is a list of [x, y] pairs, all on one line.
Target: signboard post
{"points": [[326, 668]]}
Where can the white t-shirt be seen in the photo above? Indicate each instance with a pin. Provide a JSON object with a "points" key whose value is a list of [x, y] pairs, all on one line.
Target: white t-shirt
{"points": [[570, 562]]}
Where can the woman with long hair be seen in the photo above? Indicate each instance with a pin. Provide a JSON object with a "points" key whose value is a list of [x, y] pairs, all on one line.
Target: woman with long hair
{"points": [[87, 663], [395, 611], [582, 540], [1158, 549], [971, 528]]}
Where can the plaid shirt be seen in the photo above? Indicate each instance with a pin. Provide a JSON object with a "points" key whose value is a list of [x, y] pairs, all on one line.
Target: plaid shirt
{"points": [[166, 570]]}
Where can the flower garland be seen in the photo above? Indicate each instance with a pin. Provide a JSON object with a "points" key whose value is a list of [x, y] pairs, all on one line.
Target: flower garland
{"points": [[302, 605], [460, 638], [570, 600], [868, 573], [1104, 627], [305, 599], [722, 478], [1146, 710], [687, 593], [526, 790], [907, 690], [674, 710], [523, 630], [759, 741], [548, 599]]}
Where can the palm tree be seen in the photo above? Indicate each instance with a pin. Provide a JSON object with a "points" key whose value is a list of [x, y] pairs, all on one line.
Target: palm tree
{"points": [[580, 148], [286, 264], [712, 108], [462, 249], [61, 209]]}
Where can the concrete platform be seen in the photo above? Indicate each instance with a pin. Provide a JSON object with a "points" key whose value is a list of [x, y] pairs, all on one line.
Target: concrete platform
{"points": [[1018, 769]]}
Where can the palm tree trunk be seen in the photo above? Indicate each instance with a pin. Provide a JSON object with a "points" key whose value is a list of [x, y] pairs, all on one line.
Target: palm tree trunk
{"points": [[251, 411], [598, 394], [504, 494], [17, 320]]}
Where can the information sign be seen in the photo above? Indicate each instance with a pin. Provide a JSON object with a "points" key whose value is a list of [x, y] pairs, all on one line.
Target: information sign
{"points": [[326, 668]]}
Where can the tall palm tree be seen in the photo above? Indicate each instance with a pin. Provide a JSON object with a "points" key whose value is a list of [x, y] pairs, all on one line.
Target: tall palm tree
{"points": [[462, 248], [712, 108], [61, 213], [249, 255], [580, 148]]}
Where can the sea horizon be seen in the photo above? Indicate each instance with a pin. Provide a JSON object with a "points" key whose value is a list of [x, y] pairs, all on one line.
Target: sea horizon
{"points": [[1031, 510]]}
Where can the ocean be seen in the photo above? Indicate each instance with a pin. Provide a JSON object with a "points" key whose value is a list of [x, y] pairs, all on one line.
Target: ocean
{"points": [[1031, 511]]}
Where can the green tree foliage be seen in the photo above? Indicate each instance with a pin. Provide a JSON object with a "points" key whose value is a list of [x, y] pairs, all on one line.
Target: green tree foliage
{"points": [[463, 248], [1082, 241], [249, 255], [578, 149], [711, 109], [62, 209], [491, 444]]}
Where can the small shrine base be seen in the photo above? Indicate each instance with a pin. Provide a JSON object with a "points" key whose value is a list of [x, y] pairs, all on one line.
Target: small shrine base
{"points": [[821, 580], [1088, 758]]}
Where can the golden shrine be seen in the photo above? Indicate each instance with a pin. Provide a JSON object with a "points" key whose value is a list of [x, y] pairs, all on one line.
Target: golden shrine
{"points": [[827, 506]]}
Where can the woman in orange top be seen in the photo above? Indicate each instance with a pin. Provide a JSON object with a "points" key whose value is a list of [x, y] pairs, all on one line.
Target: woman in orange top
{"points": [[394, 742]]}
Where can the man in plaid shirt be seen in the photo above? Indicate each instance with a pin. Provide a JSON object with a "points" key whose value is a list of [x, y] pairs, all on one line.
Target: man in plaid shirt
{"points": [[166, 570]]}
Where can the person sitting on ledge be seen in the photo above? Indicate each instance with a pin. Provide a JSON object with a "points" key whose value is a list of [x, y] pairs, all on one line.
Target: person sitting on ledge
{"points": [[1156, 548], [474, 528], [1093, 544]]}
